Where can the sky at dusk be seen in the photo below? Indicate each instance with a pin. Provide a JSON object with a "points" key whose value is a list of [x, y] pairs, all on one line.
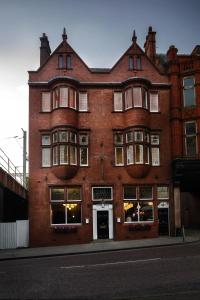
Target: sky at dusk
{"points": [[99, 31]]}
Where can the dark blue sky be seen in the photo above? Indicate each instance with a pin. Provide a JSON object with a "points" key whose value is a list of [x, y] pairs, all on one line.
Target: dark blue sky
{"points": [[100, 31]]}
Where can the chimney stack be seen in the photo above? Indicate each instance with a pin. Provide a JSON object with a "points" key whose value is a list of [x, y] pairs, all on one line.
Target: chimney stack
{"points": [[150, 45], [172, 54], [45, 49]]}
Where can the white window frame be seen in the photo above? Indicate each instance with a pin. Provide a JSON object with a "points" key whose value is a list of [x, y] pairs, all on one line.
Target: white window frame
{"points": [[119, 164], [141, 147], [131, 104], [83, 165], [152, 104], [129, 157], [83, 103], [163, 198], [158, 158], [46, 101], [44, 150], [118, 102], [141, 104]]}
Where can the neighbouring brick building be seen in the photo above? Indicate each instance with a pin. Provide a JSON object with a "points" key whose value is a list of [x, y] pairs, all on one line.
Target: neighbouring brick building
{"points": [[113, 152]]}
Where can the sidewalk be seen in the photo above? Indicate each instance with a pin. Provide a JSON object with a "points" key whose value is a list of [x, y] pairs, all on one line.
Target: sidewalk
{"points": [[97, 246]]}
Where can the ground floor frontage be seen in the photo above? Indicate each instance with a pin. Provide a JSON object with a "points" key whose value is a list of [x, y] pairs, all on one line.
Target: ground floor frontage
{"points": [[69, 214]]}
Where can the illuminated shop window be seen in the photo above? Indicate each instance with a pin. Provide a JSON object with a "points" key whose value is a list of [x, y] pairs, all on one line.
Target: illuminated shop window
{"points": [[65, 205], [138, 204]]}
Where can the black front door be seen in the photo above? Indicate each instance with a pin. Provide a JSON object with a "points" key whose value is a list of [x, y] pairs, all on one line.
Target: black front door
{"points": [[102, 225], [163, 221]]}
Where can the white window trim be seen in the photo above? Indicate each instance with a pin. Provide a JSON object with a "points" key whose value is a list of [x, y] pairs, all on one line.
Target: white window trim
{"points": [[150, 108], [46, 165], [121, 164], [66, 223], [141, 154], [86, 109], [132, 161], [163, 198], [121, 101], [102, 187], [138, 216], [154, 164]]}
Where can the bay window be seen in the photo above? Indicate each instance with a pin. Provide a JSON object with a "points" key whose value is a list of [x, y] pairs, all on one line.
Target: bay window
{"points": [[138, 204], [65, 148], [119, 150], [65, 205], [64, 97], [136, 97]]}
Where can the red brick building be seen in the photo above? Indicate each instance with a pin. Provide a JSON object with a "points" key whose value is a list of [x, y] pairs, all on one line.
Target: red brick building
{"points": [[110, 149]]}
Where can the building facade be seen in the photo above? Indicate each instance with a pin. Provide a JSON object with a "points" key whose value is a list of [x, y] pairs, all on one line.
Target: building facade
{"points": [[110, 149]]}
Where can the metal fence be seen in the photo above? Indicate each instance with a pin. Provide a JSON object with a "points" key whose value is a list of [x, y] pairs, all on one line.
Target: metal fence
{"points": [[7, 165]]}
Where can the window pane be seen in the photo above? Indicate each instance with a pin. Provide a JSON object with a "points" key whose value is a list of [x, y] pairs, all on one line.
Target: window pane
{"points": [[129, 154], [69, 62], [188, 82], [189, 98], [130, 192], [46, 102], [55, 155], [146, 154], [73, 213], [153, 102], [57, 213], [83, 156], [128, 98], [129, 137], [73, 138], [146, 192], [74, 193], [138, 136], [190, 128], [155, 139], [72, 98], [131, 211], [138, 154], [131, 63], [55, 98], [83, 101], [63, 154], [61, 61], [46, 157], [139, 63], [55, 137], [63, 136], [155, 156], [162, 192], [146, 211], [83, 139], [118, 138], [73, 155], [57, 194], [63, 97], [119, 156], [46, 140], [137, 97], [191, 146], [104, 193], [118, 104]]}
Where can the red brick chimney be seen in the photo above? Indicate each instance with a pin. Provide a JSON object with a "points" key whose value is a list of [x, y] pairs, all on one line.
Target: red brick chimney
{"points": [[45, 49], [150, 45], [172, 54]]}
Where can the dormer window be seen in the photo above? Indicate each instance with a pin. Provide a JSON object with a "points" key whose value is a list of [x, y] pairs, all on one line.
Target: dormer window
{"points": [[138, 63]]}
